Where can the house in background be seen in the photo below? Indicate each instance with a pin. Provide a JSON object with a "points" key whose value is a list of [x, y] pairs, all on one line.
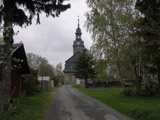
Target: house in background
{"points": [[45, 83], [19, 67], [78, 46]]}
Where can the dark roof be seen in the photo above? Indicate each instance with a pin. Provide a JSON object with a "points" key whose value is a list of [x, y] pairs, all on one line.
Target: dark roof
{"points": [[70, 63], [19, 59], [78, 31], [74, 57], [19, 54]]}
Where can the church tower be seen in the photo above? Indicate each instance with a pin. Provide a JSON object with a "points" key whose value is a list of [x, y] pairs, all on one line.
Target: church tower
{"points": [[78, 44]]}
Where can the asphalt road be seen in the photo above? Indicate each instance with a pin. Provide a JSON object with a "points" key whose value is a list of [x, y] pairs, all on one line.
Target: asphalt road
{"points": [[70, 104]]}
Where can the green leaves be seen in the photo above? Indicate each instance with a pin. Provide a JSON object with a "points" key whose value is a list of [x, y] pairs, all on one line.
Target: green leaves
{"points": [[149, 30], [126, 33], [23, 11], [85, 66], [111, 25]]}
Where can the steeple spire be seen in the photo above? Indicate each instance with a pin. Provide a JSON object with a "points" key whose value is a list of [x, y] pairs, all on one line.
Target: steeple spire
{"points": [[78, 30], [78, 21]]}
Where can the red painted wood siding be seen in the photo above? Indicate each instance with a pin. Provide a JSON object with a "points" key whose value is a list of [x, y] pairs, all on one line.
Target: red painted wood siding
{"points": [[15, 84]]}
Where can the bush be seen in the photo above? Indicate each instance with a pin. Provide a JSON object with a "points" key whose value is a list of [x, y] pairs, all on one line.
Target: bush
{"points": [[127, 91], [140, 114], [31, 83], [157, 92], [56, 81]]}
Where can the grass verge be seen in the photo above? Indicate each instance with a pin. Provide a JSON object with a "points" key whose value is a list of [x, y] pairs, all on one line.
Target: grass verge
{"points": [[29, 108], [138, 108]]}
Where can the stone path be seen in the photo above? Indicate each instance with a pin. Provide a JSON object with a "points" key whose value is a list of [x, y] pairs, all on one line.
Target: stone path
{"points": [[70, 104]]}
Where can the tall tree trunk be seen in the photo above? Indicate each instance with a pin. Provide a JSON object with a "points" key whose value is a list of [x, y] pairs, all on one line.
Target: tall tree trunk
{"points": [[120, 74], [158, 68], [139, 83], [5, 82], [136, 76]]}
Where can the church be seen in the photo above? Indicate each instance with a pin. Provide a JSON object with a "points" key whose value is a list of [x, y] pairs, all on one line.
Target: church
{"points": [[78, 46]]}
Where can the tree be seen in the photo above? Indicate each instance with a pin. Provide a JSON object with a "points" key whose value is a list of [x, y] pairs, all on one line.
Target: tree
{"points": [[149, 30], [12, 12], [40, 64], [101, 70], [109, 23], [34, 60], [45, 69], [113, 24], [59, 73], [85, 67], [31, 83]]}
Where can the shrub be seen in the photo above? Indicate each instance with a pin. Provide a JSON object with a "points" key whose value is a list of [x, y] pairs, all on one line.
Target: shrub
{"points": [[31, 83], [56, 81], [127, 91], [140, 114]]}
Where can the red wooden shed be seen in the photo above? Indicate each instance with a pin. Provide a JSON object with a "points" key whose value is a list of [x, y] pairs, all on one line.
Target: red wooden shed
{"points": [[20, 67]]}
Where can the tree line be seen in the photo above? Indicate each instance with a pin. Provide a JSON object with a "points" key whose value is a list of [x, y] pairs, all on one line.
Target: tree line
{"points": [[44, 68], [40, 67]]}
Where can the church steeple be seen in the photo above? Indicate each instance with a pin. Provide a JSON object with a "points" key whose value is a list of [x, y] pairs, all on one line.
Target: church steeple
{"points": [[78, 32], [78, 22], [78, 44]]}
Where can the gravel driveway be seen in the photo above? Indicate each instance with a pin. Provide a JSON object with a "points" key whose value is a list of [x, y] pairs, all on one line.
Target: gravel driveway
{"points": [[70, 104]]}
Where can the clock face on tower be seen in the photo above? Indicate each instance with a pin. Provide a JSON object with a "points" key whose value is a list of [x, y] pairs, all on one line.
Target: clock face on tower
{"points": [[78, 43]]}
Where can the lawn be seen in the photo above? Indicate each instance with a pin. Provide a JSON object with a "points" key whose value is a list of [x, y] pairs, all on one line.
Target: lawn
{"points": [[138, 108], [29, 108]]}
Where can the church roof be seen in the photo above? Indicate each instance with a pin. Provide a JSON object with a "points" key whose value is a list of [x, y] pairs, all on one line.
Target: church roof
{"points": [[74, 57], [70, 63], [78, 30]]}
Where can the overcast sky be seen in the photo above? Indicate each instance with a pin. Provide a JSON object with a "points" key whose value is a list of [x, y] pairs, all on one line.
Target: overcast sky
{"points": [[54, 37]]}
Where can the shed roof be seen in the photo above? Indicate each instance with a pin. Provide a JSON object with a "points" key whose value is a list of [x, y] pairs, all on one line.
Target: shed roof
{"points": [[19, 59]]}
